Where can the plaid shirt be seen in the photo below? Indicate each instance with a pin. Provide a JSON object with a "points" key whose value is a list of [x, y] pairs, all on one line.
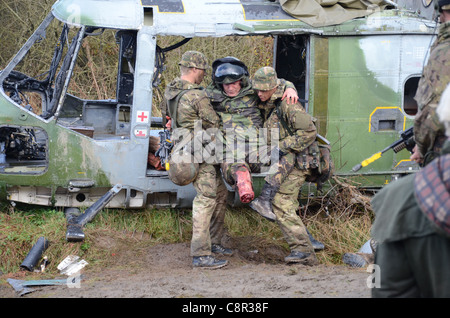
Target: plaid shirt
{"points": [[432, 191]]}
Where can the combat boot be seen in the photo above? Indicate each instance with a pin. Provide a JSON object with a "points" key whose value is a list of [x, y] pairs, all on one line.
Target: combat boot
{"points": [[263, 203], [302, 258], [219, 249], [358, 259], [208, 262], [318, 246], [244, 185]]}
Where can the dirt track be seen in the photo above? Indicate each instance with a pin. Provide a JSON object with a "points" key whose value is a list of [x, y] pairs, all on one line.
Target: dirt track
{"points": [[165, 271]]}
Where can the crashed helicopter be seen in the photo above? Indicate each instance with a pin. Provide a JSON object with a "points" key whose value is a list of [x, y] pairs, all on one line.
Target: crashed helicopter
{"points": [[358, 78]]}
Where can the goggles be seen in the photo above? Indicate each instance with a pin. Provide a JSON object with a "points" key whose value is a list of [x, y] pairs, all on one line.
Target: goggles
{"points": [[228, 73]]}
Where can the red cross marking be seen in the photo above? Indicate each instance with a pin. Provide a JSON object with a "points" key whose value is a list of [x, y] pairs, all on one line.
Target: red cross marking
{"points": [[142, 116]]}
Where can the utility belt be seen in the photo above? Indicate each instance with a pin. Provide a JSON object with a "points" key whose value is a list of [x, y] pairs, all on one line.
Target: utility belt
{"points": [[309, 158], [317, 158]]}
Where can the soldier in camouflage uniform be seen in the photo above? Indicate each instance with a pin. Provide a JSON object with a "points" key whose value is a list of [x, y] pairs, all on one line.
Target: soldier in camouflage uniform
{"points": [[233, 98], [297, 143], [188, 107], [428, 130], [412, 228]]}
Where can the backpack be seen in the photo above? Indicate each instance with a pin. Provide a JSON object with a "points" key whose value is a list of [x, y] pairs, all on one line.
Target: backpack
{"points": [[163, 153], [325, 167], [172, 107]]}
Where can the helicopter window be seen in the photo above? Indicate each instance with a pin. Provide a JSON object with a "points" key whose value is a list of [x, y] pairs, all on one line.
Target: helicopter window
{"points": [[29, 100], [82, 76], [148, 16], [36, 77], [386, 125], [409, 91], [107, 67], [386, 118], [124, 114], [23, 150]]}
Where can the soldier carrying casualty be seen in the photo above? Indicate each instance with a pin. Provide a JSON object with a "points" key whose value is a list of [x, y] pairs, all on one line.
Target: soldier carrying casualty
{"points": [[234, 99], [299, 151], [188, 107]]}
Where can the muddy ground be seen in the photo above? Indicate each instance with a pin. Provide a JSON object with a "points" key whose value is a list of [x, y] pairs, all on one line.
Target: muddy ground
{"points": [[165, 271]]}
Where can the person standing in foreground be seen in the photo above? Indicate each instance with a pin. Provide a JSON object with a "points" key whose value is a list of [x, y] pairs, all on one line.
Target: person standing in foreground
{"points": [[188, 108], [297, 140], [412, 227], [429, 133]]}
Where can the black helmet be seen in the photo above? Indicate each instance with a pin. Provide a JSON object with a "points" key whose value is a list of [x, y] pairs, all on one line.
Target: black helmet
{"points": [[228, 73], [233, 71]]}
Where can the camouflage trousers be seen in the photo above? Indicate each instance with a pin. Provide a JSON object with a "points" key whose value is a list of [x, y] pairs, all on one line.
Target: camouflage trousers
{"points": [[285, 205], [208, 210], [281, 170]]}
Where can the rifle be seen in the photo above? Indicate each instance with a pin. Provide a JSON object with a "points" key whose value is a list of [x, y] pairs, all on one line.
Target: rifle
{"points": [[165, 147], [406, 141]]}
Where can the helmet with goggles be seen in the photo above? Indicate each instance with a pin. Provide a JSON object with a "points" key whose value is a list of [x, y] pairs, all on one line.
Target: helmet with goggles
{"points": [[228, 70], [228, 73]]}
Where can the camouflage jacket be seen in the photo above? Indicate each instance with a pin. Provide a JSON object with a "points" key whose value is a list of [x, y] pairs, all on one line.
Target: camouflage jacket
{"points": [[239, 112], [240, 116], [435, 77], [297, 119], [192, 106]]}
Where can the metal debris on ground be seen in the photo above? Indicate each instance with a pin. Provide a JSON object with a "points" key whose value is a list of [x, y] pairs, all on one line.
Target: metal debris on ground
{"points": [[21, 286], [35, 254], [70, 265]]}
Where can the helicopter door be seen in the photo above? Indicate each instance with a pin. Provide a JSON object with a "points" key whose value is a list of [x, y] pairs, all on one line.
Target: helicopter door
{"points": [[291, 56]]}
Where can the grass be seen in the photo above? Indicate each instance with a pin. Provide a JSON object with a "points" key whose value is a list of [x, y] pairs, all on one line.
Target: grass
{"points": [[340, 235], [21, 227]]}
